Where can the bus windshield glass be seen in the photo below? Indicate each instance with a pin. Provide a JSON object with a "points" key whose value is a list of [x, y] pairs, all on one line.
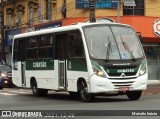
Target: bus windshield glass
{"points": [[113, 43]]}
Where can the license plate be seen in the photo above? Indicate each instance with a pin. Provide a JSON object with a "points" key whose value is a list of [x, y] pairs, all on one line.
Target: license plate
{"points": [[123, 89]]}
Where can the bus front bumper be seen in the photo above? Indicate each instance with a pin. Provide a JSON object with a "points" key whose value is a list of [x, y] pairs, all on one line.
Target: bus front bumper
{"points": [[104, 85]]}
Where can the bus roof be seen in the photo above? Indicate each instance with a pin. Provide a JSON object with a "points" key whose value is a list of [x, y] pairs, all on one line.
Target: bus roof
{"points": [[63, 28]]}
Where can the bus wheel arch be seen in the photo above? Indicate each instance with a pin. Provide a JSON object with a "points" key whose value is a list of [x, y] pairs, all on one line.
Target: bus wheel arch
{"points": [[83, 90], [33, 81], [35, 90]]}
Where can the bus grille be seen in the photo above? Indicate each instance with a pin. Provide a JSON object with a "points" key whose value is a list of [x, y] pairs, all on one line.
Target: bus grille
{"points": [[122, 84], [119, 74]]}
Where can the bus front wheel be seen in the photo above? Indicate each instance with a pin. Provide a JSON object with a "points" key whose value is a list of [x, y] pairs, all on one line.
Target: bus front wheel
{"points": [[74, 94], [134, 95], [84, 94]]}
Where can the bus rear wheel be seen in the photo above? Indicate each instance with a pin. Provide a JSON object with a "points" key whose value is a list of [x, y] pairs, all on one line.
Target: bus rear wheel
{"points": [[134, 95], [38, 92]]}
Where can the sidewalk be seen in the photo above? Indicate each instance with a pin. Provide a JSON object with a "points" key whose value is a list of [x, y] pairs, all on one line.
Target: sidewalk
{"points": [[153, 87]]}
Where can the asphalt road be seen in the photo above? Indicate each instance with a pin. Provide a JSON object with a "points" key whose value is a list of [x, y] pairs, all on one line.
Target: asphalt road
{"points": [[115, 107]]}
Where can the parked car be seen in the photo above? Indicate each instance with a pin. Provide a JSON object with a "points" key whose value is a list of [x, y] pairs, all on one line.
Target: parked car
{"points": [[5, 76]]}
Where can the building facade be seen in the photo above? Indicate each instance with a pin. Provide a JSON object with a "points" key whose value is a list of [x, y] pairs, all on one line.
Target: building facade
{"points": [[143, 15]]}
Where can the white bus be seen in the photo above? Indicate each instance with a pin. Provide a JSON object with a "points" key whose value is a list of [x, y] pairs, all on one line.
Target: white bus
{"points": [[88, 59]]}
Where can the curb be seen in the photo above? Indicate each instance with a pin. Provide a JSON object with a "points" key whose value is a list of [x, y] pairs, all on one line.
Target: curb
{"points": [[153, 88], [151, 82]]}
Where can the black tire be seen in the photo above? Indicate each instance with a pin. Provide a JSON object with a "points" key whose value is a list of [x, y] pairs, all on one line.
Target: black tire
{"points": [[38, 92], [134, 95], [74, 94], [84, 94], [43, 92], [1, 87], [10, 86]]}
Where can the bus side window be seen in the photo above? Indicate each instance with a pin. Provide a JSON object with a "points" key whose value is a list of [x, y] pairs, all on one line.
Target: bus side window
{"points": [[22, 49], [16, 49], [46, 46], [32, 48], [76, 48]]}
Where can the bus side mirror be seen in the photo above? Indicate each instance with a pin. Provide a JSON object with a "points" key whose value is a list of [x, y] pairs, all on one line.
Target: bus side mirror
{"points": [[139, 35]]}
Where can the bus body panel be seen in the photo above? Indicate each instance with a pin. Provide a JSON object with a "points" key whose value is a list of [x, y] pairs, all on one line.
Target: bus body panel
{"points": [[16, 74], [48, 82], [73, 77]]}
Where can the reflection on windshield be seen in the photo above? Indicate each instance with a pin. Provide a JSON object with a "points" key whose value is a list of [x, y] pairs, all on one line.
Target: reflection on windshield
{"points": [[113, 43], [126, 47]]}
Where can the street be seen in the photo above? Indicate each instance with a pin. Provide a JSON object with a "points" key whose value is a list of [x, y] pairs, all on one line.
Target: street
{"points": [[22, 99]]}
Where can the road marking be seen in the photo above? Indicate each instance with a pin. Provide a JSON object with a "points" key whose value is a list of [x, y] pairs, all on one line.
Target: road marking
{"points": [[21, 92], [15, 92], [7, 94]]}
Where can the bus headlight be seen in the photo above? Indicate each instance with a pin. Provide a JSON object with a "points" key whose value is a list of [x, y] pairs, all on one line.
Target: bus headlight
{"points": [[143, 70], [98, 72]]}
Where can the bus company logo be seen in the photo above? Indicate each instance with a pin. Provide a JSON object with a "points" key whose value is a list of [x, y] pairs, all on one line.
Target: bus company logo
{"points": [[156, 27], [125, 70], [39, 64], [123, 75]]}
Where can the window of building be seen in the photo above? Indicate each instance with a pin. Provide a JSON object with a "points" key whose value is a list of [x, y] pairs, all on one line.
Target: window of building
{"points": [[31, 16], [9, 14], [133, 7], [63, 9], [32, 6], [19, 19], [49, 10], [9, 18], [40, 12], [20, 11]]}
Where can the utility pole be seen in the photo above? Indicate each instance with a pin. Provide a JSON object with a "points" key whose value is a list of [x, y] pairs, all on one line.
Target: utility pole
{"points": [[2, 32], [92, 11], [118, 10]]}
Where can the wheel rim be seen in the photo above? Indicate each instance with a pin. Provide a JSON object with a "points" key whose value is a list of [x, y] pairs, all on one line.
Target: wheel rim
{"points": [[34, 89], [85, 94]]}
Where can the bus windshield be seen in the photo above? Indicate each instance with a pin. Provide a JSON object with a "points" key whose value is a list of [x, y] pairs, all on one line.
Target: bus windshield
{"points": [[113, 43]]}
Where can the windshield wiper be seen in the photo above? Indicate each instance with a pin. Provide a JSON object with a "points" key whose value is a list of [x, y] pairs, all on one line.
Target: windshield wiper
{"points": [[125, 45], [108, 49]]}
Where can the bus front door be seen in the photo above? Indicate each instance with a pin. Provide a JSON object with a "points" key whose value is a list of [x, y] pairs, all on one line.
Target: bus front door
{"points": [[61, 62]]}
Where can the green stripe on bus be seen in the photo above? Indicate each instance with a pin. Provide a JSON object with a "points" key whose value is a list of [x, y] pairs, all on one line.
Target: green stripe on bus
{"points": [[77, 65], [128, 70], [40, 65]]}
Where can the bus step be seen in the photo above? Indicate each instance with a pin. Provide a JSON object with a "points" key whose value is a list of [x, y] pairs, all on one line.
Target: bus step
{"points": [[62, 88]]}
